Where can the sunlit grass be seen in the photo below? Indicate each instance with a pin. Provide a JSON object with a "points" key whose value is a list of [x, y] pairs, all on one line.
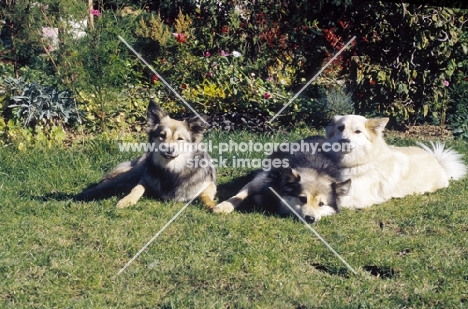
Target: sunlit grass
{"points": [[410, 252]]}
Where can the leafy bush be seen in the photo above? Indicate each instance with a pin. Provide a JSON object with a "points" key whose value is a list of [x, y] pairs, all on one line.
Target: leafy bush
{"points": [[336, 101], [213, 80], [97, 66], [86, 58], [37, 104], [457, 114], [198, 50], [405, 58]]}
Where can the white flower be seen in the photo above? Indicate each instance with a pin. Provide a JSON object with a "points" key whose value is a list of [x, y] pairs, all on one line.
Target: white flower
{"points": [[236, 54]]}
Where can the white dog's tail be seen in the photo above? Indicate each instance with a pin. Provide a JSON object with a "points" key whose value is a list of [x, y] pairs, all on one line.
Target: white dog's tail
{"points": [[450, 160]]}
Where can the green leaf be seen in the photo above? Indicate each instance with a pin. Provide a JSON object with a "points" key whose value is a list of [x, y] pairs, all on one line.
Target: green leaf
{"points": [[381, 76], [402, 88], [425, 110]]}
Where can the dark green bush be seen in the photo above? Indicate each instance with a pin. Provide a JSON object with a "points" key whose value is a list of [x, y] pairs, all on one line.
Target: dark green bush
{"points": [[457, 113], [405, 58]]}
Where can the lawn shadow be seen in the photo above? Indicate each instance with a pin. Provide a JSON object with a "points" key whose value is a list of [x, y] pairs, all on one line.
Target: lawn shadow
{"points": [[62, 196], [228, 189], [381, 272], [334, 271], [54, 196]]}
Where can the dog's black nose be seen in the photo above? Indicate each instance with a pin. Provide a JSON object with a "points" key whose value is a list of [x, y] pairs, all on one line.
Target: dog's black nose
{"points": [[345, 141], [309, 219]]}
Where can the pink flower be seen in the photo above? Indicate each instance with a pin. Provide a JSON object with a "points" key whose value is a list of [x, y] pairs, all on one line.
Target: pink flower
{"points": [[180, 37], [209, 74], [206, 54], [50, 32], [95, 12], [224, 54], [266, 95], [51, 36], [446, 83]]}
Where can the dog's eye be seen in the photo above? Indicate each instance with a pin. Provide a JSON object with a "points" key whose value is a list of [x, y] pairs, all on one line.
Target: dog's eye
{"points": [[341, 128], [303, 199], [321, 204], [357, 131]]}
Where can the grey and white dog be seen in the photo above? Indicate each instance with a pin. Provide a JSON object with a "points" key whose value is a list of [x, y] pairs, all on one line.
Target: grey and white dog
{"points": [[310, 184], [169, 172]]}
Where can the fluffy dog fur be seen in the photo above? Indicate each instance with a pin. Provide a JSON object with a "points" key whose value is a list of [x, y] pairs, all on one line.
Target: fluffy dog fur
{"points": [[309, 184], [380, 172], [166, 173]]}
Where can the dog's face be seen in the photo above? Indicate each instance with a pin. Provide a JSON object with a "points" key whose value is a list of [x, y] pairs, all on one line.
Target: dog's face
{"points": [[312, 195], [352, 136], [174, 141]]}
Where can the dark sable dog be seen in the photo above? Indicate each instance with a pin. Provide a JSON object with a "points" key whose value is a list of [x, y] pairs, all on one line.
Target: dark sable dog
{"points": [[310, 184], [169, 172]]}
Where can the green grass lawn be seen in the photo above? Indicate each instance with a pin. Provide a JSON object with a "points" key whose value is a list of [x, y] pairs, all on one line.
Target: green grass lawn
{"points": [[54, 252]]}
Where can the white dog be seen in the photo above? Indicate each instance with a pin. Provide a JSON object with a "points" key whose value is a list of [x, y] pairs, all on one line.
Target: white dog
{"points": [[379, 172]]}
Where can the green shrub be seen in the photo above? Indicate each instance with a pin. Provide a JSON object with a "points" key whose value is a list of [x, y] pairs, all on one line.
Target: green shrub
{"points": [[457, 114], [36, 104], [272, 63], [89, 60], [405, 58]]}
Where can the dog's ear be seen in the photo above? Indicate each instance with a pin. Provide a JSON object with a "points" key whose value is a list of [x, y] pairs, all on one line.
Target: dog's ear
{"points": [[154, 115], [341, 188], [284, 175], [197, 127], [376, 125], [285, 180], [330, 128]]}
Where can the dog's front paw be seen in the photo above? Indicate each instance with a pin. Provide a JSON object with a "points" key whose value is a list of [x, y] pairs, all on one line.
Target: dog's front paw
{"points": [[224, 207], [132, 198], [125, 202]]}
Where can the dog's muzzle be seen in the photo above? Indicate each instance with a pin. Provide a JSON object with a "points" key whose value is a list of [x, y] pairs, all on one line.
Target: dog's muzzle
{"points": [[169, 151], [169, 155]]}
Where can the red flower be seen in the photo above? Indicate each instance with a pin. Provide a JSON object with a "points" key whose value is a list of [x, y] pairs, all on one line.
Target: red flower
{"points": [[180, 37], [266, 95], [154, 78], [225, 29]]}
